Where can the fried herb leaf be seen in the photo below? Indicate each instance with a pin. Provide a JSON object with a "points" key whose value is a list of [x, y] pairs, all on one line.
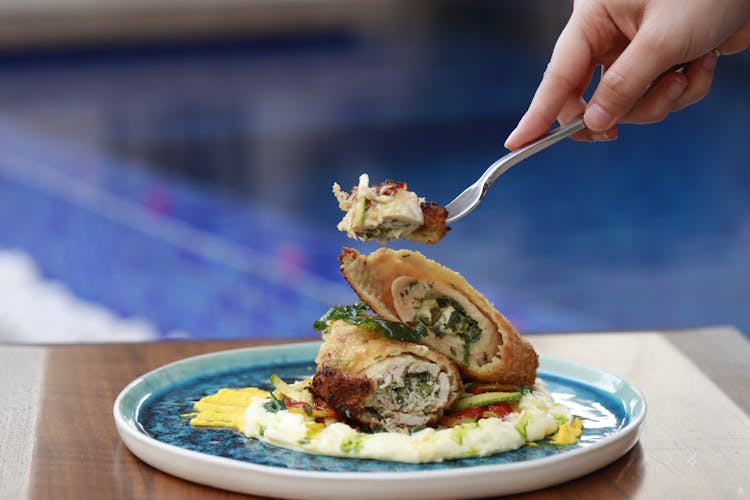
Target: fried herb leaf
{"points": [[355, 314]]}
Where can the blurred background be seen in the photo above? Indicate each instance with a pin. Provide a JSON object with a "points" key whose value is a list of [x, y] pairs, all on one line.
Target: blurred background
{"points": [[166, 170]]}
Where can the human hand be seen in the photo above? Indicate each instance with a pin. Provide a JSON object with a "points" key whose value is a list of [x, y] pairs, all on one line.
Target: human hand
{"points": [[636, 42]]}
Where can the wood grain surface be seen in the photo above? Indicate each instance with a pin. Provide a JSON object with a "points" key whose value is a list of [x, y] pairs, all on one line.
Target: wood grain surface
{"points": [[78, 452], [695, 443]]}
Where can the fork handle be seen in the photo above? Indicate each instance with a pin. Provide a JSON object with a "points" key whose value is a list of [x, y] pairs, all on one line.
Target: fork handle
{"points": [[553, 136]]}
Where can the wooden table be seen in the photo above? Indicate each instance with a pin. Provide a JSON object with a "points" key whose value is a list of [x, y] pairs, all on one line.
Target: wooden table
{"points": [[59, 438]]}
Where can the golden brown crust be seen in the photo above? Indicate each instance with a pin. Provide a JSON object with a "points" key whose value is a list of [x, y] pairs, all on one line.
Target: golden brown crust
{"points": [[366, 284], [434, 228], [371, 278], [353, 349], [344, 392], [348, 351], [388, 187]]}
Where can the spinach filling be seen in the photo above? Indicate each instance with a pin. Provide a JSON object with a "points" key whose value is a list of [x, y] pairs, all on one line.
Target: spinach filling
{"points": [[388, 230], [413, 393], [445, 316]]}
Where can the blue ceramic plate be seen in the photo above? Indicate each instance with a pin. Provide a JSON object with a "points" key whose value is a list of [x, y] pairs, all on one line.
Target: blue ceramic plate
{"points": [[147, 414]]}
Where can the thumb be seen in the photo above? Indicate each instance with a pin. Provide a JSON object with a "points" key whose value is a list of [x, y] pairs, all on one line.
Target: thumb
{"points": [[625, 82]]}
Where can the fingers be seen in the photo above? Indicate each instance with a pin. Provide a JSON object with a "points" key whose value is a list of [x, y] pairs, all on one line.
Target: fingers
{"points": [[700, 75], [625, 82], [659, 101], [738, 41], [674, 91], [567, 76], [573, 109], [633, 88]]}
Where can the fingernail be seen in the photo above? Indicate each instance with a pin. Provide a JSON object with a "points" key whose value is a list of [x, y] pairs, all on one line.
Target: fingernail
{"points": [[597, 118], [676, 88], [709, 61], [511, 137]]}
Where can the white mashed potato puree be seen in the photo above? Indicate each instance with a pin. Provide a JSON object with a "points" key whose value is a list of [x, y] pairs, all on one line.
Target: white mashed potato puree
{"points": [[534, 417]]}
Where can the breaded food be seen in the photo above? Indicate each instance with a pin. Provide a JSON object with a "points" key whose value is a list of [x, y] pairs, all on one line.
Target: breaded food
{"points": [[382, 383], [433, 227], [389, 211], [405, 286]]}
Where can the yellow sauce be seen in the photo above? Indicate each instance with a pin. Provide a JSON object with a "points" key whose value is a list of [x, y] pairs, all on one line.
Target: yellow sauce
{"points": [[568, 433], [225, 408]]}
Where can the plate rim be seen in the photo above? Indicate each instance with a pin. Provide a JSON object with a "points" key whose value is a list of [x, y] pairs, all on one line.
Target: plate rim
{"points": [[133, 437]]}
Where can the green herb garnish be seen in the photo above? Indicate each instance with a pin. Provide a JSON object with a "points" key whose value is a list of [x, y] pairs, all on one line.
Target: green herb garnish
{"points": [[274, 404], [355, 314], [352, 444]]}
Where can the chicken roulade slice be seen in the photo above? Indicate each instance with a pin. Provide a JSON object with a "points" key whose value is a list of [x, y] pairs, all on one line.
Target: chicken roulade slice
{"points": [[381, 383], [389, 211], [405, 286]]}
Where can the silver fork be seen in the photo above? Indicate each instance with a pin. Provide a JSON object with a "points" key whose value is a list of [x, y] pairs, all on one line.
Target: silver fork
{"points": [[472, 195]]}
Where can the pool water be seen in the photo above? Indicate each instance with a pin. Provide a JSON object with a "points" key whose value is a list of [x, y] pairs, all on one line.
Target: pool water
{"points": [[189, 183]]}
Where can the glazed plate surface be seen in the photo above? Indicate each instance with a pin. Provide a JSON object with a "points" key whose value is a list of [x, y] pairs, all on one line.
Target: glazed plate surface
{"points": [[148, 414]]}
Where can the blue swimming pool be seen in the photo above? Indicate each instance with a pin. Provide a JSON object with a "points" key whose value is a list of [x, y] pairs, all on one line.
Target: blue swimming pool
{"points": [[189, 183]]}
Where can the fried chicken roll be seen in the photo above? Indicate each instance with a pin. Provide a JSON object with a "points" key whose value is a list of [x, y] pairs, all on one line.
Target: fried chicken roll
{"points": [[382, 383], [405, 286]]}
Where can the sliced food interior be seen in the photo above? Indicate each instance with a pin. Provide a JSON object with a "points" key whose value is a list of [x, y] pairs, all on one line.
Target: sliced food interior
{"points": [[409, 392], [383, 212], [455, 326], [382, 383]]}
